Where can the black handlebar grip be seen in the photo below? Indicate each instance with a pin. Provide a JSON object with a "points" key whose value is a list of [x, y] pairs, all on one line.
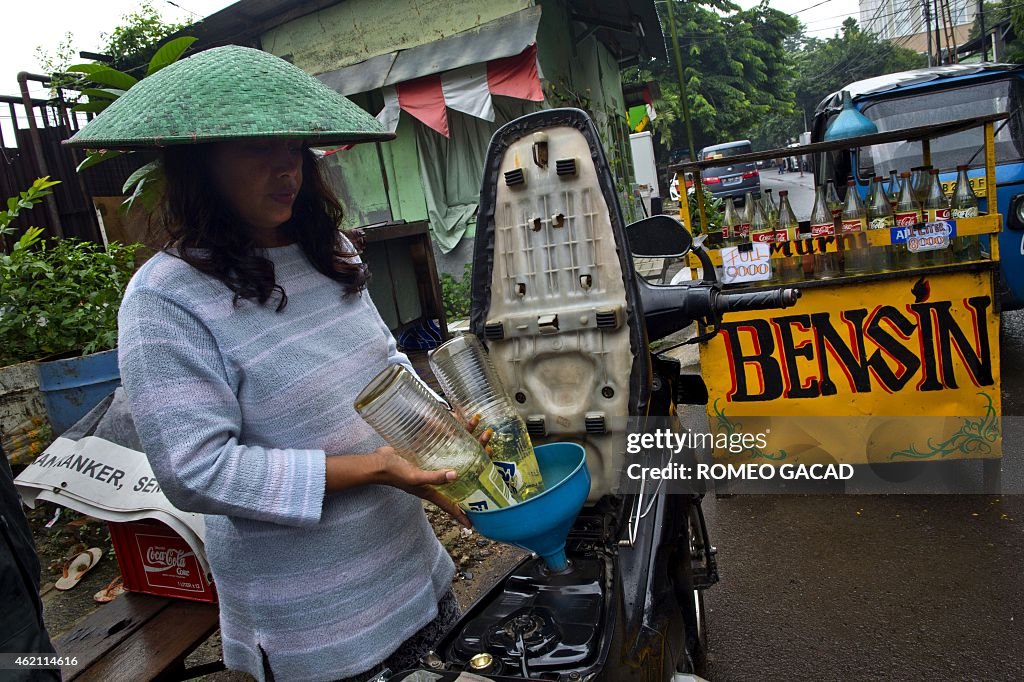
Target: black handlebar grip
{"points": [[757, 300]]}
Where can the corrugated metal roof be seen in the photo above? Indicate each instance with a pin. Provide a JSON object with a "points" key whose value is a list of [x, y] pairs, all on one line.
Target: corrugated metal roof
{"points": [[502, 37]]}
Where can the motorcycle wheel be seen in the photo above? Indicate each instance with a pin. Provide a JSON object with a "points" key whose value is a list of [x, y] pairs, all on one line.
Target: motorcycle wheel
{"points": [[692, 602]]}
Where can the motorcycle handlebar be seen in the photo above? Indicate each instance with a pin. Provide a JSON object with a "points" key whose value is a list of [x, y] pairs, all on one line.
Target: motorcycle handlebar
{"points": [[758, 300]]}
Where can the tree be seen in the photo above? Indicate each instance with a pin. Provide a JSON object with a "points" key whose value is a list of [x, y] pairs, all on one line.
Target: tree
{"points": [[825, 66], [136, 39], [736, 71]]}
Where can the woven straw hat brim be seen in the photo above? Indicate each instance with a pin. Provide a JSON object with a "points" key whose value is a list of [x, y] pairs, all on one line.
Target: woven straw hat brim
{"points": [[228, 93]]}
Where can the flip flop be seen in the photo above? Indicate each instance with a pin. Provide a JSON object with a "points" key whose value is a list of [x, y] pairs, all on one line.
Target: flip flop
{"points": [[78, 567], [111, 592]]}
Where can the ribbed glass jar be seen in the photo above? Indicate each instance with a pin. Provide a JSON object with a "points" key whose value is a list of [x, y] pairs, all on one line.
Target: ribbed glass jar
{"points": [[402, 410], [471, 383]]}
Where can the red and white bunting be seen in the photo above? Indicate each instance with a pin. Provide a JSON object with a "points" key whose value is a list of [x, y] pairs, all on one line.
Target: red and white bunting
{"points": [[423, 98], [468, 89]]}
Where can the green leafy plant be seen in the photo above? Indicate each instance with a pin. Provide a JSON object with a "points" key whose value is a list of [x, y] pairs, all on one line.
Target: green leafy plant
{"points": [[714, 209], [457, 293], [58, 298], [25, 200]]}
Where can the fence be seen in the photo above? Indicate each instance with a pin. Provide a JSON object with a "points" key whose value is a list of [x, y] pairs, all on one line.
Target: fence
{"points": [[32, 148]]}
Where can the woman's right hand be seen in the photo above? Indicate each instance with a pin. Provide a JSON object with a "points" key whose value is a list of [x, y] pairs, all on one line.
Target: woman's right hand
{"points": [[398, 472]]}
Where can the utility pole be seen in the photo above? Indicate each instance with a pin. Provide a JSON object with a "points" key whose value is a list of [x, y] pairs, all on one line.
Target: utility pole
{"points": [[927, 28], [684, 100], [984, 33], [938, 42]]}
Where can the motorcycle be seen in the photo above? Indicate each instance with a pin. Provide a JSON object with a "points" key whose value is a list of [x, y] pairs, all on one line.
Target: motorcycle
{"points": [[568, 324]]}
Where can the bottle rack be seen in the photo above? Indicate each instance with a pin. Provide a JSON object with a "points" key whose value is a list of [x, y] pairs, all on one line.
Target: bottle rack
{"points": [[986, 224]]}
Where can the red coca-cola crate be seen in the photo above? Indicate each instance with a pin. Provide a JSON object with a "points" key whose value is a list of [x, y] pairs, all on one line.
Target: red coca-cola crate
{"points": [[156, 560]]}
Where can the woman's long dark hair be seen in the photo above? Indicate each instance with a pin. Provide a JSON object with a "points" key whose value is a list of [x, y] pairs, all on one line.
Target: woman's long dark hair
{"points": [[211, 237]]}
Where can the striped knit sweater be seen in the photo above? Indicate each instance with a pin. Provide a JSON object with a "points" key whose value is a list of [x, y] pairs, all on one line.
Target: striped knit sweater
{"points": [[237, 408]]}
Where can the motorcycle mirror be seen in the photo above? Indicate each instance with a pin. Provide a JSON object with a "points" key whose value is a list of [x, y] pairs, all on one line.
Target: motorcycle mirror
{"points": [[659, 236]]}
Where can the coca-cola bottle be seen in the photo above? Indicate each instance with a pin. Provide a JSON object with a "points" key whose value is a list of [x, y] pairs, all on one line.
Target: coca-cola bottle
{"points": [[853, 219], [936, 206], [771, 211], [892, 190], [880, 217], [936, 209], [823, 230], [730, 222], [786, 228], [907, 214], [964, 204], [746, 216], [907, 211], [762, 231], [921, 182], [835, 206]]}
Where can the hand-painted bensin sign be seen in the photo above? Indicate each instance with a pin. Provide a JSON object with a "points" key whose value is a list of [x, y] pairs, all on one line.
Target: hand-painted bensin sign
{"points": [[922, 350], [883, 348], [871, 346]]}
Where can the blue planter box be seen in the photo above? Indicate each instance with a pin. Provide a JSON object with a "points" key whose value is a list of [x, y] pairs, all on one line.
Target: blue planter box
{"points": [[73, 386]]}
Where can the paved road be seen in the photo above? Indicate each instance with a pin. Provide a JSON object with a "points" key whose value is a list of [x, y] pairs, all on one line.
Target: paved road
{"points": [[801, 189], [875, 587]]}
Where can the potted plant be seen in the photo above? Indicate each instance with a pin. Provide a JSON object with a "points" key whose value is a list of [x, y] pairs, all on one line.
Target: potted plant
{"points": [[58, 306]]}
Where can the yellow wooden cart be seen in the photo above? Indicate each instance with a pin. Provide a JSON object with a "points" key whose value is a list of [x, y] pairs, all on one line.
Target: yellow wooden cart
{"points": [[888, 367]]}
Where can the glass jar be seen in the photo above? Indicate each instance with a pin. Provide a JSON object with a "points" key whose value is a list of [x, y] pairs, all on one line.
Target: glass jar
{"points": [[398, 405], [471, 383]]}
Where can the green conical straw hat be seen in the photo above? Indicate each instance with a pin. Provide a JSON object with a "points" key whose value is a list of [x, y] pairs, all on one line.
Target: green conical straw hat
{"points": [[227, 93]]}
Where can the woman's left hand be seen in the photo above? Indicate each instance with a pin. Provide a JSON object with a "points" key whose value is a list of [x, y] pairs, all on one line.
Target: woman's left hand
{"points": [[400, 473]]}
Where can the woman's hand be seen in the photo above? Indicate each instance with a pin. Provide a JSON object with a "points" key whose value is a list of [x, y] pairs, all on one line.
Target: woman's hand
{"points": [[471, 425], [398, 472]]}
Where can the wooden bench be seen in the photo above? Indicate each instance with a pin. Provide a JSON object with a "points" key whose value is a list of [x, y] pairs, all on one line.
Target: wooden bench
{"points": [[139, 637]]}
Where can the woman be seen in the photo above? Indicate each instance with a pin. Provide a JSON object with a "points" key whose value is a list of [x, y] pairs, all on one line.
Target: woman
{"points": [[242, 346]]}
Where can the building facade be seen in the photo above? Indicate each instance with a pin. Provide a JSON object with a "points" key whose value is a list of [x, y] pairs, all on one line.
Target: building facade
{"points": [[890, 19]]}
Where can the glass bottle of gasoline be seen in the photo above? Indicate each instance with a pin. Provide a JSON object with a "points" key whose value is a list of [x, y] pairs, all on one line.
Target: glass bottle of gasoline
{"points": [[760, 224], [790, 266], [936, 209], [919, 179], [730, 222], [832, 199], [853, 220], [880, 217], [907, 213], [771, 211], [823, 230], [746, 216], [964, 204], [892, 190]]}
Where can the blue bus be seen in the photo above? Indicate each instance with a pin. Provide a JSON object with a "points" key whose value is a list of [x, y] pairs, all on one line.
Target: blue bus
{"points": [[934, 95]]}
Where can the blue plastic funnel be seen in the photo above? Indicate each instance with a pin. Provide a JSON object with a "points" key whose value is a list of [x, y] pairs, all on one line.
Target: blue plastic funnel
{"points": [[541, 523]]}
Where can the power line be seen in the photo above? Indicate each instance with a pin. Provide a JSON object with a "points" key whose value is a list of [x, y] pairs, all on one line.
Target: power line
{"points": [[823, 2], [183, 9]]}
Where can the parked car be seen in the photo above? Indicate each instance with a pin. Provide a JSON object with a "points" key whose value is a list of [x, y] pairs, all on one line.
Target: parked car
{"points": [[728, 179], [934, 95]]}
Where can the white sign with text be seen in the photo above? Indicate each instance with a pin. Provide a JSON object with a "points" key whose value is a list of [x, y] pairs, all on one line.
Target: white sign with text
{"points": [[740, 264]]}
